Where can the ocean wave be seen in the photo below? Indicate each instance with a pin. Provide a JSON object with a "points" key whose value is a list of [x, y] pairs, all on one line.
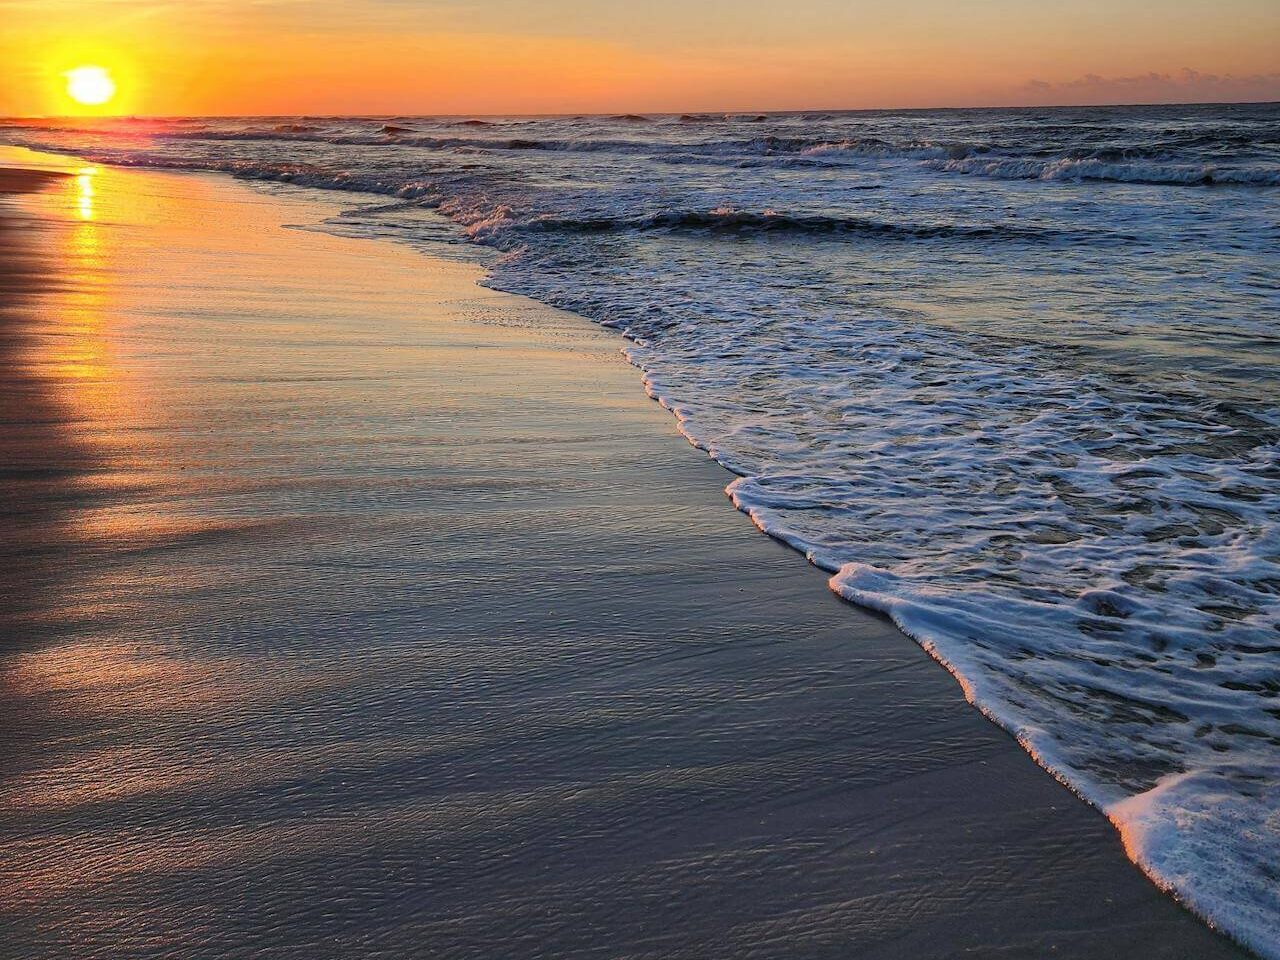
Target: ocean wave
{"points": [[875, 147], [401, 136], [1066, 168], [1153, 163], [728, 220], [460, 196]]}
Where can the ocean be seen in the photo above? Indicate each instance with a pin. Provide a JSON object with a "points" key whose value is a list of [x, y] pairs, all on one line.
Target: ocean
{"points": [[1012, 376]]}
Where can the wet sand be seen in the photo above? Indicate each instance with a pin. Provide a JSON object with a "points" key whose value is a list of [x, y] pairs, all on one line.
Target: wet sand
{"points": [[357, 611]]}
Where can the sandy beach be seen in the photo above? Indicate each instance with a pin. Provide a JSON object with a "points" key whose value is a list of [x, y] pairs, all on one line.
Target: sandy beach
{"points": [[354, 609]]}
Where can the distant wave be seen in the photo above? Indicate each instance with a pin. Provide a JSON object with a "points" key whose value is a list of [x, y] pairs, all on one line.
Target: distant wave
{"points": [[1162, 161], [1171, 174]]}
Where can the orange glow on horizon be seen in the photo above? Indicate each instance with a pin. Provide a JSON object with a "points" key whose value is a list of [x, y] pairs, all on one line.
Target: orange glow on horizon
{"points": [[269, 57]]}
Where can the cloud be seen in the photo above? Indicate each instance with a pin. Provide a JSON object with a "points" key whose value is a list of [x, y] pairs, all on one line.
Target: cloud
{"points": [[1185, 85]]}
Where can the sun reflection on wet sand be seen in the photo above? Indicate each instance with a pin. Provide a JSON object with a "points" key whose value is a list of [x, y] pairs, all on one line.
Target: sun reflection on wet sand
{"points": [[84, 191], [81, 355], [64, 347]]}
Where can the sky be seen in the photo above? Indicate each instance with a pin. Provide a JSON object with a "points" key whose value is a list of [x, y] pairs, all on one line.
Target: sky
{"points": [[284, 57]]}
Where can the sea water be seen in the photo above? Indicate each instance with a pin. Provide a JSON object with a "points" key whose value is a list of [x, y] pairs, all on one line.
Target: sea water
{"points": [[1012, 376]]}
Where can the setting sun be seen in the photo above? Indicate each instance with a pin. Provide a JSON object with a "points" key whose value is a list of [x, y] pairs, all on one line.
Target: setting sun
{"points": [[90, 86]]}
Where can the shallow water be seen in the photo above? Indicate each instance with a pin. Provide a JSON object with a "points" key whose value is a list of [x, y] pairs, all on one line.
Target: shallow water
{"points": [[1011, 375]]}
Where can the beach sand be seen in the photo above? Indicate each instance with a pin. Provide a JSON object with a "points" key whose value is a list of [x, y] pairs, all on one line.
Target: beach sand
{"points": [[357, 611]]}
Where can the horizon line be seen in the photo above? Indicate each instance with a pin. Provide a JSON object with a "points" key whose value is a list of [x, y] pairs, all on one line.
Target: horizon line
{"points": [[638, 113]]}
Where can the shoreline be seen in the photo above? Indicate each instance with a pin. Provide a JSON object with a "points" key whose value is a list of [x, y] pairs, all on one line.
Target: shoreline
{"points": [[889, 721]]}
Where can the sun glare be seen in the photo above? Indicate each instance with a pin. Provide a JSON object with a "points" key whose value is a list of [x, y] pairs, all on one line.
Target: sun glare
{"points": [[90, 86]]}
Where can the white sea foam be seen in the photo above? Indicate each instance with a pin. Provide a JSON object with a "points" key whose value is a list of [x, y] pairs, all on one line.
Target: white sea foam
{"points": [[1188, 820]]}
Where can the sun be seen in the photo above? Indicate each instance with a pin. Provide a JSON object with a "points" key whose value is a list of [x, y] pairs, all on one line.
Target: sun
{"points": [[90, 86]]}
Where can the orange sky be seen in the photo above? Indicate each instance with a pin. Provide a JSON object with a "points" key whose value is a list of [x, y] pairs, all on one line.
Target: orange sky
{"points": [[513, 56]]}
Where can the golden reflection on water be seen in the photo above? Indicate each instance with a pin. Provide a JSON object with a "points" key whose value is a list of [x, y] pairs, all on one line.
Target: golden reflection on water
{"points": [[85, 242], [84, 358], [85, 192], [79, 356]]}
